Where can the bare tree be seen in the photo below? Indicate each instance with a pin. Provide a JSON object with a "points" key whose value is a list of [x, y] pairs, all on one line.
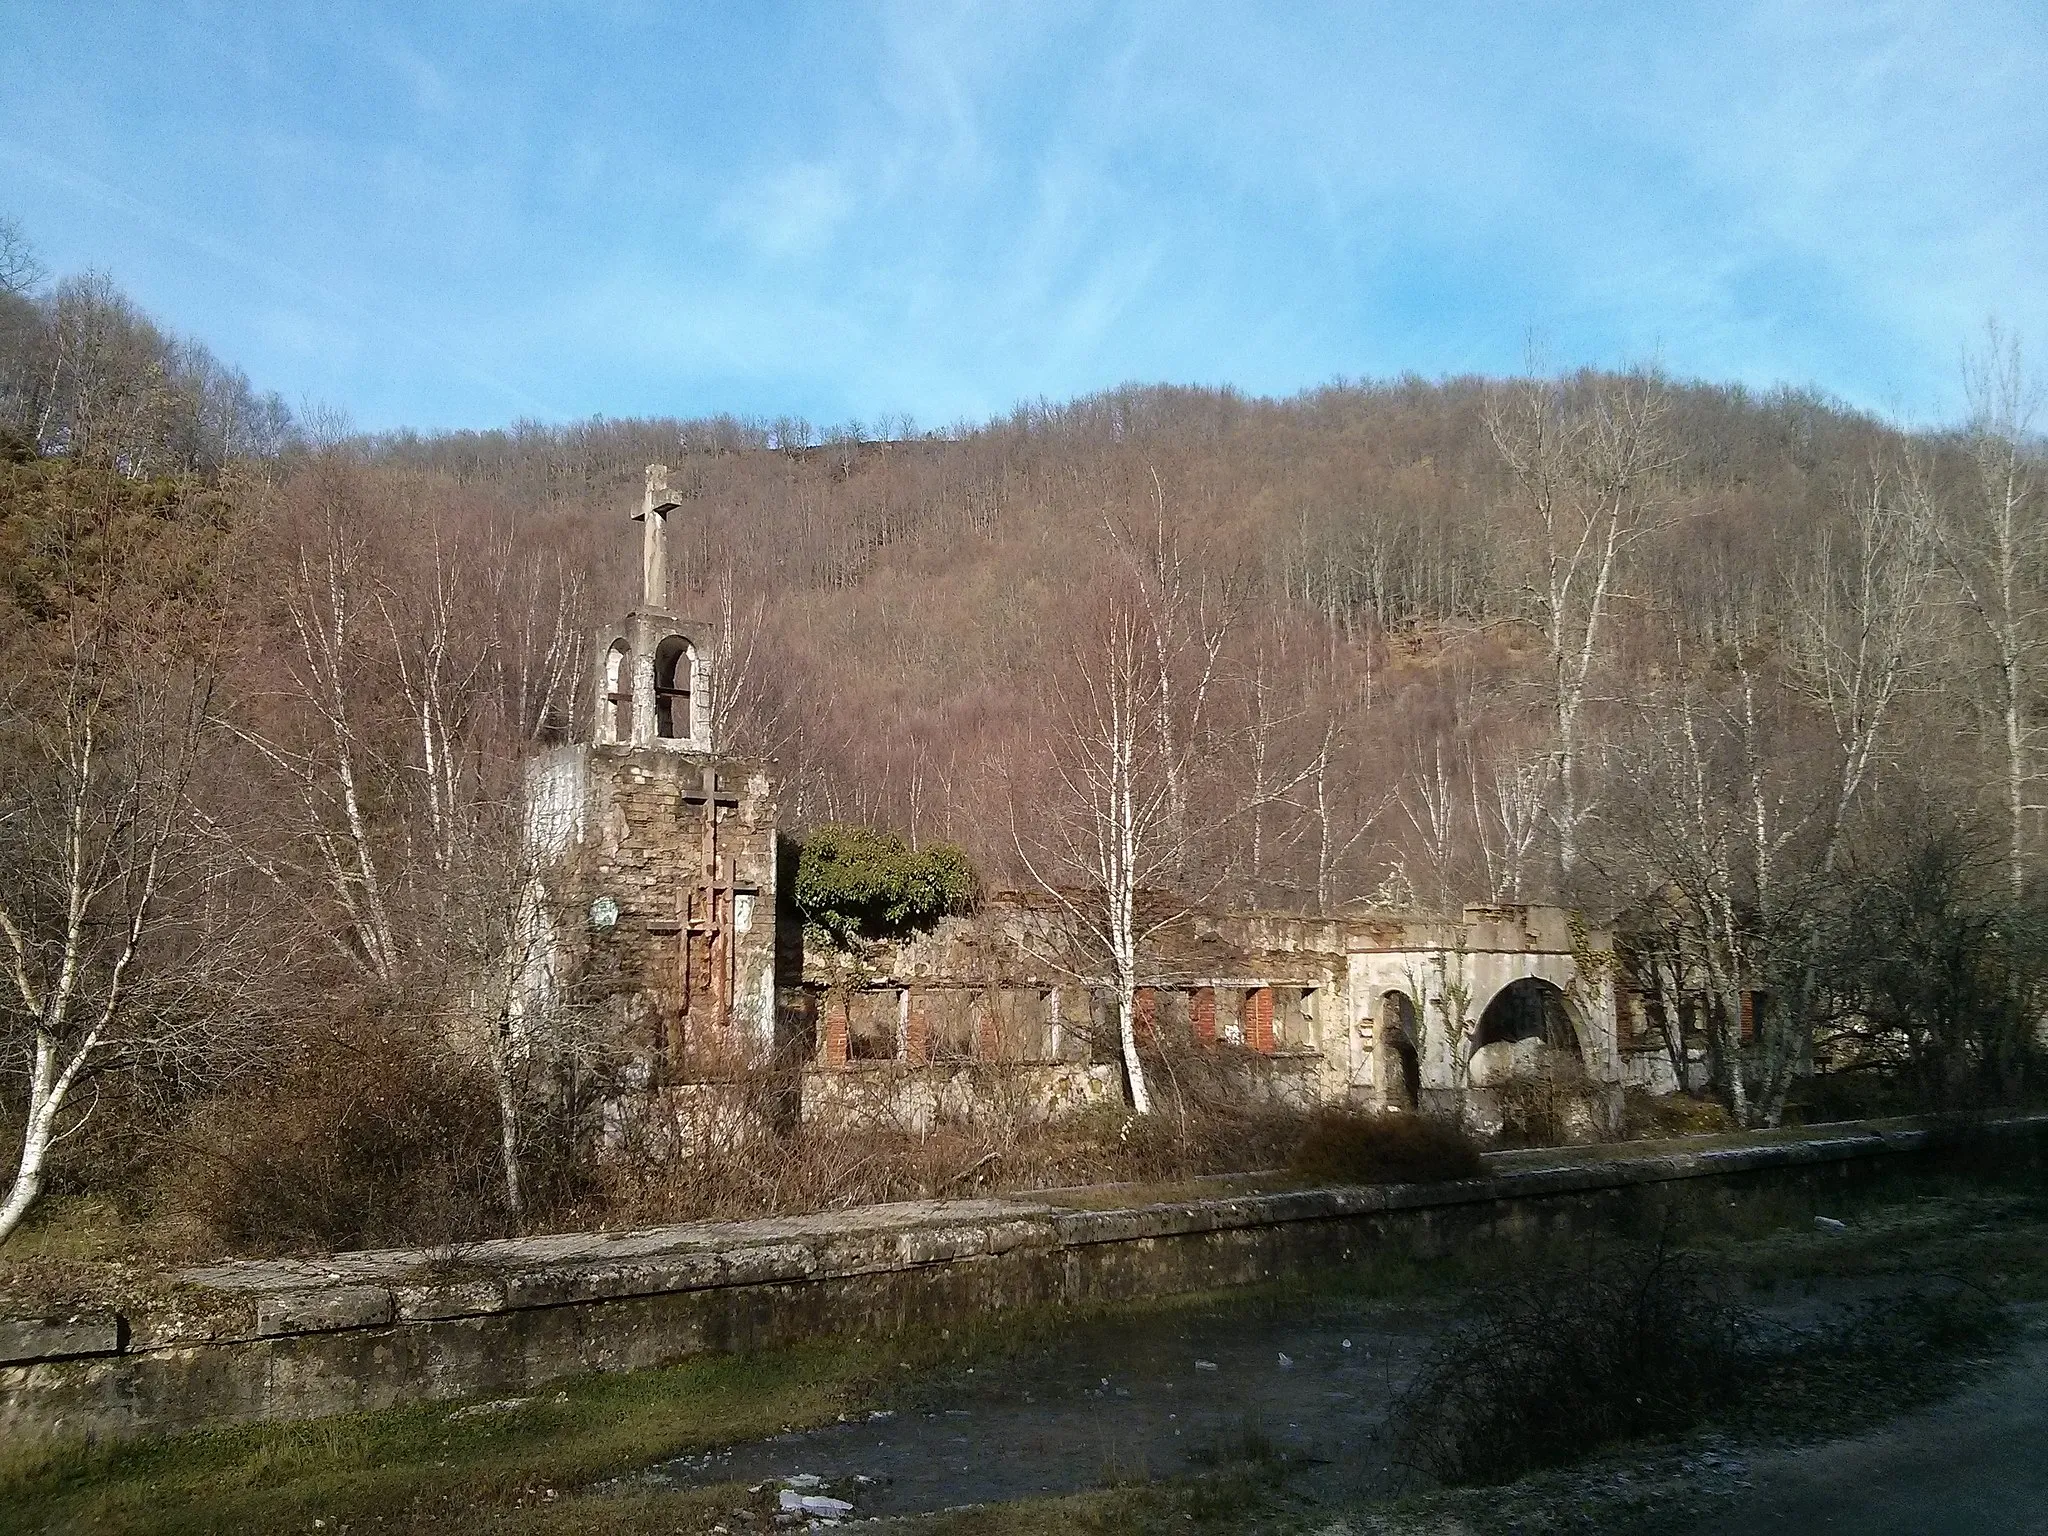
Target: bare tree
{"points": [[1860, 616], [116, 949], [1344, 814], [1274, 767], [1591, 477], [20, 272], [1122, 761], [1188, 622], [744, 720], [1430, 801], [1993, 540], [1508, 802], [1738, 790]]}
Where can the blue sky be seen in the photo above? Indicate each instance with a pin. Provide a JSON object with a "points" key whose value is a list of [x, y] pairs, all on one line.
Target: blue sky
{"points": [[461, 214]]}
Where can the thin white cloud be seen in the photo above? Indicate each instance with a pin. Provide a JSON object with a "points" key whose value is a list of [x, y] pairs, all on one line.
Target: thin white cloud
{"points": [[283, 279], [944, 207], [792, 211]]}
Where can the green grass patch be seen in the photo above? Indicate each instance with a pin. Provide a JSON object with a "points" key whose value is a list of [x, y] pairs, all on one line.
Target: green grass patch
{"points": [[429, 1466]]}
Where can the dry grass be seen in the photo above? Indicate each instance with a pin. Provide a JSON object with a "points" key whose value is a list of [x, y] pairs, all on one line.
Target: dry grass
{"points": [[1655, 1116], [731, 1162]]}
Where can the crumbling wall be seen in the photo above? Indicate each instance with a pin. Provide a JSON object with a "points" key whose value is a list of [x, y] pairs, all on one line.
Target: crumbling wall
{"points": [[661, 875]]}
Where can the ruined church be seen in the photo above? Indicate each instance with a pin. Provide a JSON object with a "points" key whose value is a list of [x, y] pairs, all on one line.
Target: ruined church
{"points": [[661, 870]]}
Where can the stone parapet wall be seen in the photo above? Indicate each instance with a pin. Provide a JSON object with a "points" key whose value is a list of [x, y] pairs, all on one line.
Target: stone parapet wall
{"points": [[289, 1339]]}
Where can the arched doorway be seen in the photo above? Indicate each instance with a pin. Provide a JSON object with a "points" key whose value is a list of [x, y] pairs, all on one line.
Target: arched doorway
{"points": [[1400, 1061], [1526, 1033]]}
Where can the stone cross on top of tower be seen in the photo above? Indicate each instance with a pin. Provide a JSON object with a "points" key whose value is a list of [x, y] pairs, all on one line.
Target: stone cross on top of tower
{"points": [[654, 511]]}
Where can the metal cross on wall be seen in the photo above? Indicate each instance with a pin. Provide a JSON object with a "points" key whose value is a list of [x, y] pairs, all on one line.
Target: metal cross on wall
{"points": [[707, 921]]}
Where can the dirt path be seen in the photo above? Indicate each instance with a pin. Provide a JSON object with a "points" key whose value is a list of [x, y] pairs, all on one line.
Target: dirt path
{"points": [[1976, 1464]]}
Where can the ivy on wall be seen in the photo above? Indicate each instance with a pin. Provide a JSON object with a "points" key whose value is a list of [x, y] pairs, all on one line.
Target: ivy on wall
{"points": [[858, 885]]}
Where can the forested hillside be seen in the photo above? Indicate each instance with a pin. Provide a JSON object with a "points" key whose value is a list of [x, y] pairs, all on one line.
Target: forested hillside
{"points": [[1369, 573]]}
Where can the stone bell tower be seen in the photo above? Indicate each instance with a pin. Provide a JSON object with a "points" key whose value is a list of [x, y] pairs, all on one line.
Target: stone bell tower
{"points": [[654, 670], [661, 852]]}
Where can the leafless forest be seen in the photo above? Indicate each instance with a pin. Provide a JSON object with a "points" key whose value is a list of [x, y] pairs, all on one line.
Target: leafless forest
{"points": [[1758, 678]]}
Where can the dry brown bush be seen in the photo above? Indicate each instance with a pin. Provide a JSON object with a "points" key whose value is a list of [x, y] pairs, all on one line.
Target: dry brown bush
{"points": [[1348, 1147], [368, 1138], [748, 1157], [1545, 1110]]}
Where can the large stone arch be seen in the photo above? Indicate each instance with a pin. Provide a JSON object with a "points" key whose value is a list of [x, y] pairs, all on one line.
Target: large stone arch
{"points": [[1529, 1007], [1530, 1027]]}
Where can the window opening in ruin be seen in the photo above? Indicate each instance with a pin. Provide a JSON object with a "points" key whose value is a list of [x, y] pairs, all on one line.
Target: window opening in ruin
{"points": [[984, 1027], [872, 1016], [1529, 1009], [1202, 1013], [1145, 1020], [1172, 1014], [1230, 1015], [1755, 1004], [1294, 1013], [1255, 1019], [618, 691], [673, 661], [1020, 1024], [949, 1019], [1104, 1040]]}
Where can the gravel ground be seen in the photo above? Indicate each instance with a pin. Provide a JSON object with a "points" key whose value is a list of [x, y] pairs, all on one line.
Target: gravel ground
{"points": [[1977, 1463]]}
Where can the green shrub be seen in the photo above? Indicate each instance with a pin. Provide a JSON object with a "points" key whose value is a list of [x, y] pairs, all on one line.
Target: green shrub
{"points": [[856, 884], [1344, 1146]]}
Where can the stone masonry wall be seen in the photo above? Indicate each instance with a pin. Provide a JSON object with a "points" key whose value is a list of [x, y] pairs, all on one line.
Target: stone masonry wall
{"points": [[626, 831]]}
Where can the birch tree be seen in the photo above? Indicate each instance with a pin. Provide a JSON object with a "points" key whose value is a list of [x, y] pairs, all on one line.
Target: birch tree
{"points": [[1993, 540], [1508, 801], [1117, 831], [112, 640], [1343, 813], [1741, 788], [421, 651], [1591, 478]]}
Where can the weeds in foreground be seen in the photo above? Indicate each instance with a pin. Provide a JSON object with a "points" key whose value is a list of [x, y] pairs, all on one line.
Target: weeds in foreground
{"points": [[1876, 1359], [1555, 1364], [1641, 1343]]}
